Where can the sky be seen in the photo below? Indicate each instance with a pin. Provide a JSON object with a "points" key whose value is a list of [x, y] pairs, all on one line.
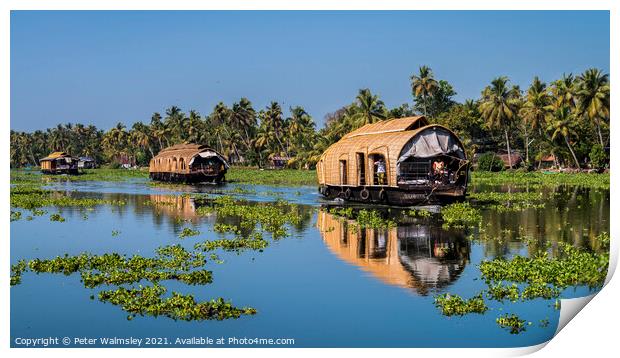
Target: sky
{"points": [[105, 67]]}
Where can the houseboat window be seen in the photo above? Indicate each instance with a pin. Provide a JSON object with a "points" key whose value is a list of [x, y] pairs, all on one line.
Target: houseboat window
{"points": [[379, 169], [361, 169], [182, 161], [343, 172]]}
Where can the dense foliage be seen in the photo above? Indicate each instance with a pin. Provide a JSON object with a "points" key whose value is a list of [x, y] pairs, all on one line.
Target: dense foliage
{"points": [[567, 120]]}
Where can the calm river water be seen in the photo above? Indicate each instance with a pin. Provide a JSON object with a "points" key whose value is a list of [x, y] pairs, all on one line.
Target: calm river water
{"points": [[325, 285]]}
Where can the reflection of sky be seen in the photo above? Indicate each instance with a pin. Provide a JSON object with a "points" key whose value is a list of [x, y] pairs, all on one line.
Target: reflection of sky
{"points": [[300, 288]]}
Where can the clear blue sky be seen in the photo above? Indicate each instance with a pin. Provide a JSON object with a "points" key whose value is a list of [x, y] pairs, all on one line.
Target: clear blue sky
{"points": [[104, 67]]}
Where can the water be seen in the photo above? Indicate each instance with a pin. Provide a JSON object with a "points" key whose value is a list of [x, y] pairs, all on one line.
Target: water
{"points": [[327, 285]]}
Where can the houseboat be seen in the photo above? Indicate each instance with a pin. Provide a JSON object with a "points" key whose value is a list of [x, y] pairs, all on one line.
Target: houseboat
{"points": [[188, 163], [59, 163], [404, 161]]}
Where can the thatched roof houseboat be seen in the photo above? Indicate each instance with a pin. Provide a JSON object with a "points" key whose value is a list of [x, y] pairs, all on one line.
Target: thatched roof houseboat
{"points": [[59, 163], [188, 163], [403, 161]]}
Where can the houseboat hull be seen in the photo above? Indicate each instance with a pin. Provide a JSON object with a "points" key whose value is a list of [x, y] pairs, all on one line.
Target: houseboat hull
{"points": [[190, 178], [401, 196]]}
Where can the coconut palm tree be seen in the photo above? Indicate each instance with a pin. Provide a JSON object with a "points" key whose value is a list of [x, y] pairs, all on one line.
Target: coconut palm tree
{"points": [[369, 109], [424, 85], [561, 122], [499, 107], [244, 120], [592, 92], [534, 110]]}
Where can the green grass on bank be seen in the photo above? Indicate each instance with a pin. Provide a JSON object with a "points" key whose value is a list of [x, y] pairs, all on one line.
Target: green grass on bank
{"points": [[293, 177]]}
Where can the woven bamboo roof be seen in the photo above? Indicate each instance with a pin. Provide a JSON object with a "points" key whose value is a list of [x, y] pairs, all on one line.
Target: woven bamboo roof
{"points": [[390, 126], [180, 152], [386, 138], [55, 155]]}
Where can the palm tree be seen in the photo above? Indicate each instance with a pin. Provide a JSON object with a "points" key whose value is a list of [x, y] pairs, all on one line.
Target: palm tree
{"points": [[174, 122], [369, 108], [561, 122], [593, 98], [534, 110], [424, 85], [140, 135], [499, 107], [563, 90], [244, 117]]}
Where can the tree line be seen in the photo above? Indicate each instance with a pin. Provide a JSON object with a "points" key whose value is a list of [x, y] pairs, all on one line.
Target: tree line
{"points": [[567, 118]]}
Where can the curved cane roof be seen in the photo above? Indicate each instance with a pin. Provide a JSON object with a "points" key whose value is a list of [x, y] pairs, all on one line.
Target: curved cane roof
{"points": [[385, 137], [185, 152]]}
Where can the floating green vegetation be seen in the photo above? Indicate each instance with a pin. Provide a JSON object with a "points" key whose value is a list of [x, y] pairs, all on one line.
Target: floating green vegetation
{"points": [[173, 263], [512, 323], [499, 292], [170, 263], [346, 213], [32, 197], [373, 219], [115, 233], [187, 232], [224, 228], [238, 244], [57, 217], [271, 217], [364, 218], [522, 278], [15, 215], [451, 305], [16, 272], [509, 201], [591, 180], [419, 213], [574, 267], [460, 215], [148, 301]]}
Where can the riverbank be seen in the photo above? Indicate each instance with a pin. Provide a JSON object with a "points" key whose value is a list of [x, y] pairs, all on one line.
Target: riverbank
{"points": [[293, 177]]}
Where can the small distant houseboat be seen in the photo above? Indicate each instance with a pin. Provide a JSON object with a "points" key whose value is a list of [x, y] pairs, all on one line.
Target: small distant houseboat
{"points": [[59, 163], [404, 161], [86, 163], [188, 163]]}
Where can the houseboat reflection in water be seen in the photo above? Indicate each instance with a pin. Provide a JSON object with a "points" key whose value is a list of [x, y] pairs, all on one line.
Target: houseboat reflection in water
{"points": [[179, 207], [416, 256]]}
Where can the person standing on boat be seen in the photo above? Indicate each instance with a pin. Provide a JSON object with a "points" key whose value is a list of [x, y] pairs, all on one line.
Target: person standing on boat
{"points": [[380, 171]]}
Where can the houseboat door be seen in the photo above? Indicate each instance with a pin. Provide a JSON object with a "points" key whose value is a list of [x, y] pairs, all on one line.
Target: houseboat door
{"points": [[361, 169]]}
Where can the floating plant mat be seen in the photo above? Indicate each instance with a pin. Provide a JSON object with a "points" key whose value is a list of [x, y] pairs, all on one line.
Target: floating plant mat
{"points": [[509, 281], [130, 274], [523, 279]]}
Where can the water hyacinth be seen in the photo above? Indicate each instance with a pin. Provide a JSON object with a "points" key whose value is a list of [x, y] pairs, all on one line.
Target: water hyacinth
{"points": [[148, 301], [460, 215], [32, 197], [512, 323], [451, 305], [187, 232], [574, 267]]}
